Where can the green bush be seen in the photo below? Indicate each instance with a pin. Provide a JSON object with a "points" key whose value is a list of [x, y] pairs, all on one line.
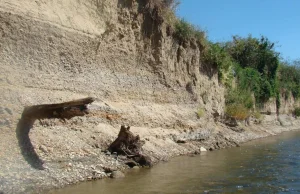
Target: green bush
{"points": [[200, 113], [257, 115], [171, 4], [238, 104], [297, 111], [237, 111], [251, 62], [236, 96], [185, 31], [169, 12], [217, 56], [289, 79], [257, 67]]}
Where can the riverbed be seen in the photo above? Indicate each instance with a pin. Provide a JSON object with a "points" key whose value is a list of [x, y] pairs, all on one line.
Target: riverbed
{"points": [[268, 165]]}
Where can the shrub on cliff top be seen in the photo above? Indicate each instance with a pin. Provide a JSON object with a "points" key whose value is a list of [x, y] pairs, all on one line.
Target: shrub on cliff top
{"points": [[185, 31], [216, 56], [258, 65], [171, 4], [289, 78]]}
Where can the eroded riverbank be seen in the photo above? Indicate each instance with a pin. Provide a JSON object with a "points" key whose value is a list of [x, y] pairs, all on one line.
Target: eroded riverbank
{"points": [[74, 151], [268, 165], [139, 75]]}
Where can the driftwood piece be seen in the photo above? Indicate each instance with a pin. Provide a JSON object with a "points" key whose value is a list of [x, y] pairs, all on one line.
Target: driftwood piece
{"points": [[65, 110], [130, 145], [126, 143]]}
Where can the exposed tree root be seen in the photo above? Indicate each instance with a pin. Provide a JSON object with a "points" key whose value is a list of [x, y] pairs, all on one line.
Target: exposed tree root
{"points": [[130, 145]]}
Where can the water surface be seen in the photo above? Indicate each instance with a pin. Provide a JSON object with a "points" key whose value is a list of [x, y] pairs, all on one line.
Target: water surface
{"points": [[269, 165]]}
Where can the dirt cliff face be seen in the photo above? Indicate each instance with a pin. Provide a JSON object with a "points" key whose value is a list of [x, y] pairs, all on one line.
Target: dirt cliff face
{"points": [[287, 105], [106, 49], [123, 54], [120, 52]]}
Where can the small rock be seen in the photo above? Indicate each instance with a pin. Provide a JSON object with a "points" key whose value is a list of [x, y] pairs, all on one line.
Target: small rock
{"points": [[196, 152], [8, 111], [43, 148], [131, 163], [202, 149], [109, 117], [238, 129], [108, 169], [136, 167], [180, 141], [4, 122], [122, 157], [117, 174], [50, 150], [97, 172]]}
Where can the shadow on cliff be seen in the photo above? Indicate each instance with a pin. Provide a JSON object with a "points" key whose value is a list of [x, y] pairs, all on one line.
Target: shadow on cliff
{"points": [[27, 149], [66, 110]]}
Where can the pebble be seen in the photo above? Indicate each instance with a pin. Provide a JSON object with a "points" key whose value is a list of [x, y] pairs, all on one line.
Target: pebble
{"points": [[43, 148], [117, 174]]}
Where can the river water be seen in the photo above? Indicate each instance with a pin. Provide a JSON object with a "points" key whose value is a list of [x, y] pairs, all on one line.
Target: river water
{"points": [[269, 165]]}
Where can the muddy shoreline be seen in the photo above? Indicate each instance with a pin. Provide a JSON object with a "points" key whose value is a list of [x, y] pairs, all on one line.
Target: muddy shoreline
{"points": [[62, 168], [221, 171], [212, 145]]}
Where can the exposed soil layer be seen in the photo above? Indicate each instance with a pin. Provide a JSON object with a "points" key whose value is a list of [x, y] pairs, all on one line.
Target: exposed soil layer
{"points": [[124, 57]]}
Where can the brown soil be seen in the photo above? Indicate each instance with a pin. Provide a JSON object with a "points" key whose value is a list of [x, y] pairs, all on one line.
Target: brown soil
{"points": [[121, 55]]}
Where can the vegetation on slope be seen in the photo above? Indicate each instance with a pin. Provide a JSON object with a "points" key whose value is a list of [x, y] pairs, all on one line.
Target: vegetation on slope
{"points": [[249, 67], [289, 79]]}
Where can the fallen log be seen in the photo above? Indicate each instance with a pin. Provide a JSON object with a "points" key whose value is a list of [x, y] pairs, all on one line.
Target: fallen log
{"points": [[65, 110]]}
